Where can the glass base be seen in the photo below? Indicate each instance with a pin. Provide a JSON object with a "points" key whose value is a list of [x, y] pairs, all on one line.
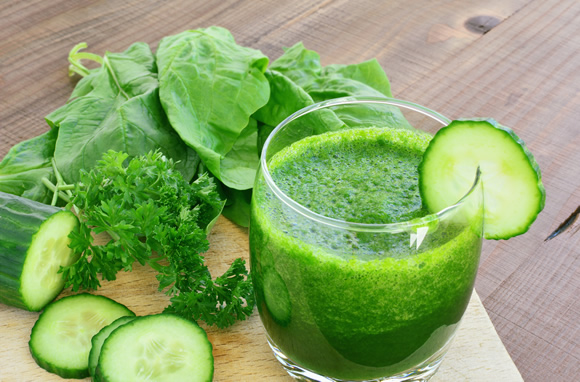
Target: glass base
{"points": [[420, 373]]}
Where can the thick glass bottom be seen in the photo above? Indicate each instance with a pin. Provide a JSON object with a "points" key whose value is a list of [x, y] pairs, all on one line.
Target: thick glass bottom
{"points": [[421, 373]]}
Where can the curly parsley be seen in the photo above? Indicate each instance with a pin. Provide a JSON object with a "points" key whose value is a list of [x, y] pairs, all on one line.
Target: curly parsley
{"points": [[155, 217]]}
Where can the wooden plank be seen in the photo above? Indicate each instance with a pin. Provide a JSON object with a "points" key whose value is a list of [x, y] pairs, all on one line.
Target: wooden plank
{"points": [[241, 352]]}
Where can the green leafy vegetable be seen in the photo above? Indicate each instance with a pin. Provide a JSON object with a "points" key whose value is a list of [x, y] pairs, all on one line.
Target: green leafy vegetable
{"points": [[116, 106], [303, 67], [227, 292], [243, 158], [209, 88], [202, 99], [26, 164], [366, 78], [299, 64], [297, 79], [155, 217], [237, 207], [75, 56], [286, 98]]}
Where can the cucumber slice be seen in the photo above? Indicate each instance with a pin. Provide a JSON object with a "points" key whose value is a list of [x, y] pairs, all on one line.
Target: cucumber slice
{"points": [[161, 347], [276, 297], [33, 246], [512, 182], [99, 338], [60, 340]]}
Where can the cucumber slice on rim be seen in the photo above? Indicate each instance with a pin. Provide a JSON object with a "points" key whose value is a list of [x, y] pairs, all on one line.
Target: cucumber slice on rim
{"points": [[512, 182]]}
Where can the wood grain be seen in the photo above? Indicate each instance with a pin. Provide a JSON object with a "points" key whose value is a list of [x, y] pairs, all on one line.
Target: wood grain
{"points": [[524, 71]]}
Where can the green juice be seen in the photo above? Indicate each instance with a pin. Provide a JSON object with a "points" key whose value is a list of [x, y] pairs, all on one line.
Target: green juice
{"points": [[352, 304]]}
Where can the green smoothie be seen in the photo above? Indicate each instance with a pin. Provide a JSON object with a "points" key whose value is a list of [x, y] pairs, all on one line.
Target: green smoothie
{"points": [[347, 303]]}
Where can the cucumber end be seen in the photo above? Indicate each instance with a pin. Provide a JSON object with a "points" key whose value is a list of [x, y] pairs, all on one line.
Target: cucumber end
{"points": [[41, 281]]}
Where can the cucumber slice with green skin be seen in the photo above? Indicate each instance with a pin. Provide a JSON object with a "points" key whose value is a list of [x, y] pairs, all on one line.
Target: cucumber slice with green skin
{"points": [[512, 182], [33, 246], [162, 347], [99, 338], [60, 340], [276, 297]]}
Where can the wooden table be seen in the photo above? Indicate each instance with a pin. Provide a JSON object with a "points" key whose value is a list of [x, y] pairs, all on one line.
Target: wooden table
{"points": [[515, 60]]}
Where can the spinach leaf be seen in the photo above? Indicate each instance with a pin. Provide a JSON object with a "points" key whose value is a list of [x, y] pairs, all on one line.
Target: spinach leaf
{"points": [[209, 88], [116, 107], [286, 97], [303, 67], [264, 131], [365, 77], [239, 165], [368, 78], [237, 208], [22, 169], [299, 64], [244, 159]]}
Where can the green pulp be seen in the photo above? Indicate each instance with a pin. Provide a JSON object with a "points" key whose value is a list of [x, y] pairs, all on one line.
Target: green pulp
{"points": [[350, 304]]}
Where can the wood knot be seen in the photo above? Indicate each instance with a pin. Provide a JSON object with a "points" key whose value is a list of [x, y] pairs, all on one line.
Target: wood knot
{"points": [[481, 24]]}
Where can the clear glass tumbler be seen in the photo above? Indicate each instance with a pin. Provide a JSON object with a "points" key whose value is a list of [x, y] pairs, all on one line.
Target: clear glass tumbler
{"points": [[355, 293]]}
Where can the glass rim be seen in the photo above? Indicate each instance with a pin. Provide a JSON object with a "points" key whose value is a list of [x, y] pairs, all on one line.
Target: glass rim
{"points": [[396, 227]]}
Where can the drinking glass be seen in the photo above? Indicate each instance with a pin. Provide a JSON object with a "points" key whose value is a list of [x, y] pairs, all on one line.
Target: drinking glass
{"points": [[360, 301]]}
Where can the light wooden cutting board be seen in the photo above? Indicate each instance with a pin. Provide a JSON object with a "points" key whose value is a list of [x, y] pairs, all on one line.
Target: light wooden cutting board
{"points": [[241, 352]]}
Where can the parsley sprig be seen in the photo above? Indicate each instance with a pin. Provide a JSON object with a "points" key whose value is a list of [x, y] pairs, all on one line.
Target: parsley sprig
{"points": [[155, 217]]}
